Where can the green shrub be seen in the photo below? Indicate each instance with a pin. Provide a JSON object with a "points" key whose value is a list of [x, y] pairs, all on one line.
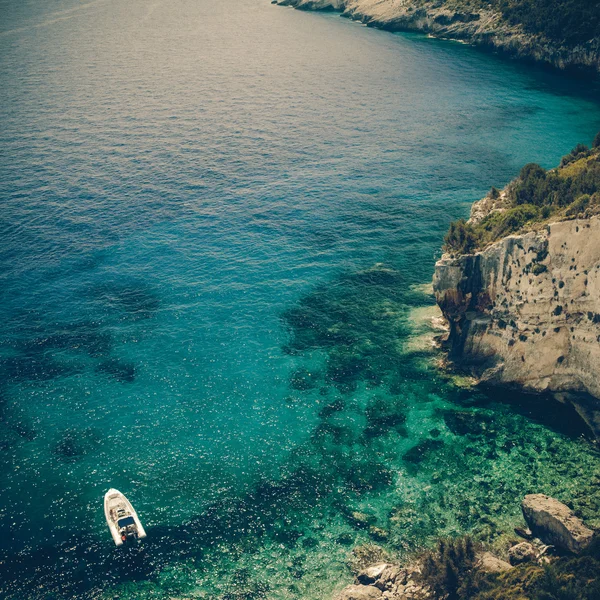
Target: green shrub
{"points": [[580, 151], [515, 218], [461, 238], [568, 22], [446, 567], [579, 206], [535, 195]]}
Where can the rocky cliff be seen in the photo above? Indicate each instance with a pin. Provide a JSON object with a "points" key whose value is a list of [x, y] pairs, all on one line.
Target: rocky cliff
{"points": [[526, 309], [475, 22]]}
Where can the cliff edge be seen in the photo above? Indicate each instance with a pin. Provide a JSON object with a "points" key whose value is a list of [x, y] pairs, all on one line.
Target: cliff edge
{"points": [[564, 38], [523, 306], [526, 309]]}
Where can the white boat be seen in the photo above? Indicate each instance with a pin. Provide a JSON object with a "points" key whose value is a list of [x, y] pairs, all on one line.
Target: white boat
{"points": [[123, 521]]}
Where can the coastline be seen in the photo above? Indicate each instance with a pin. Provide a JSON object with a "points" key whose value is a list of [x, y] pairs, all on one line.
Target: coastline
{"points": [[482, 27]]}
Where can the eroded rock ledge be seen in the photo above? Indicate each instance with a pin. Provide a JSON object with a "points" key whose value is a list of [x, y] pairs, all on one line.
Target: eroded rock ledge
{"points": [[526, 310], [479, 26]]}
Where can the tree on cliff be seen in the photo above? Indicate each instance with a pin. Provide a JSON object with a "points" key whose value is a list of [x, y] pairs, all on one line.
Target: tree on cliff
{"points": [[461, 238]]}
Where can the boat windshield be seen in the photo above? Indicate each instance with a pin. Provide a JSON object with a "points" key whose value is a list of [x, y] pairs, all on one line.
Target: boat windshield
{"points": [[125, 521]]}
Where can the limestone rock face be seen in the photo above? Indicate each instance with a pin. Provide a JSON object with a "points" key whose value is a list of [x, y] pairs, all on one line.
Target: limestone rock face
{"points": [[526, 311], [554, 523], [481, 26]]}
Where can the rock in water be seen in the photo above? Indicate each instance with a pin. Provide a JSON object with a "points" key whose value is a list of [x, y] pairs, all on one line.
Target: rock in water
{"points": [[521, 553], [359, 592], [492, 564], [554, 523]]}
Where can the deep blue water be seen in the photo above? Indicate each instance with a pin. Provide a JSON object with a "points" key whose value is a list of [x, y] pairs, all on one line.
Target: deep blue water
{"points": [[217, 222]]}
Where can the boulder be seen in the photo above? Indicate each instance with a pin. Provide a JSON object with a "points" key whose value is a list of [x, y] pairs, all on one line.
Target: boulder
{"points": [[554, 523], [522, 553], [359, 592], [524, 532], [391, 577], [383, 576], [492, 564], [372, 574]]}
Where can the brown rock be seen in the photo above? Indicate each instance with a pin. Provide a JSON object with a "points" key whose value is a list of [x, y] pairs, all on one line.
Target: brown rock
{"points": [[359, 592], [524, 532], [492, 564], [372, 574], [554, 523], [522, 553], [392, 576]]}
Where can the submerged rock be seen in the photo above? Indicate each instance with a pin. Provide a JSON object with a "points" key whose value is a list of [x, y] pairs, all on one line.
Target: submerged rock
{"points": [[361, 520], [554, 523], [379, 534], [422, 451]]}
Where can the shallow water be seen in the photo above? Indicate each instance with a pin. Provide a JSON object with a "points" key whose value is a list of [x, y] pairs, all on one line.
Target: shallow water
{"points": [[217, 222]]}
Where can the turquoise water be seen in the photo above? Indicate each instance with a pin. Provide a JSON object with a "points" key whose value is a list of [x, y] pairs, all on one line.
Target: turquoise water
{"points": [[218, 223]]}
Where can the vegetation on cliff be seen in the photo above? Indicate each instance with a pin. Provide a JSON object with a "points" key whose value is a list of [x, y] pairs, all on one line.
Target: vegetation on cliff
{"points": [[570, 22], [572, 190], [450, 572]]}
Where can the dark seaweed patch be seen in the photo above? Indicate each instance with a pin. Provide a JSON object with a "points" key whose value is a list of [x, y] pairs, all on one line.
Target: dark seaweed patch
{"points": [[35, 367], [339, 434], [384, 415], [123, 372], [365, 475], [358, 320], [336, 406], [422, 451], [23, 430], [303, 379], [461, 422], [75, 443], [40, 354], [135, 301]]}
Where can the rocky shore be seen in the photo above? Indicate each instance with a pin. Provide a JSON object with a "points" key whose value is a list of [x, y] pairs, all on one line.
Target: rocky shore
{"points": [[475, 23], [461, 569]]}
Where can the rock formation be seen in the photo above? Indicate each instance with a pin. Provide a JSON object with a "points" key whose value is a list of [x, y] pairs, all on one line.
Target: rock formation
{"points": [[475, 23], [386, 580], [526, 311], [554, 523], [522, 553]]}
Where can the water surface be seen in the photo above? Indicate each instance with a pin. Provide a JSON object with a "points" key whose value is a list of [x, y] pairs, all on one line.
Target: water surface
{"points": [[217, 223]]}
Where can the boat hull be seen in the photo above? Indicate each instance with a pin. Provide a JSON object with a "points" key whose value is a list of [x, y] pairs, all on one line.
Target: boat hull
{"points": [[114, 500]]}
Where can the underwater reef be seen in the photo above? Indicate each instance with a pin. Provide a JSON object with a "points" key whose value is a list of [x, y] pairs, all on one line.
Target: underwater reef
{"points": [[401, 455]]}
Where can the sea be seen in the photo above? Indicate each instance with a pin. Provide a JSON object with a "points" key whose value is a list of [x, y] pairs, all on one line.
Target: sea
{"points": [[218, 228]]}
